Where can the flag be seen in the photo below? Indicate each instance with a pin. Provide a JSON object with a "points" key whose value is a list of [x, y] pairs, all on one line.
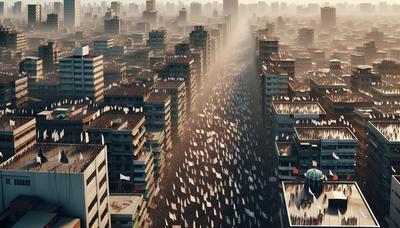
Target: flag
{"points": [[335, 177], [1, 155], [86, 137], [295, 171], [330, 173], [45, 134], [62, 134], [123, 177], [81, 136], [102, 139], [38, 160], [80, 156], [314, 163], [12, 123], [335, 156]]}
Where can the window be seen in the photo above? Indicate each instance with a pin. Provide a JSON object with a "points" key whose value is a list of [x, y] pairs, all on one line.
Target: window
{"points": [[7, 181], [102, 164], [102, 181], [103, 197], [104, 213], [22, 182]]}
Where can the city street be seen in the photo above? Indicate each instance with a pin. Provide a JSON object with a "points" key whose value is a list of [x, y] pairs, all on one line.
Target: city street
{"points": [[222, 174]]}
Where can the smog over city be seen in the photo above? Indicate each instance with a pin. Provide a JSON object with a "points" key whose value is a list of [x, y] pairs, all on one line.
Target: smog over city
{"points": [[225, 113]]}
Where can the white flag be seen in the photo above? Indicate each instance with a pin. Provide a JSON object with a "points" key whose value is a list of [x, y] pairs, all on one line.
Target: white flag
{"points": [[86, 137], [80, 156], [12, 123], [1, 155], [335, 156], [123, 177], [102, 139], [38, 160]]}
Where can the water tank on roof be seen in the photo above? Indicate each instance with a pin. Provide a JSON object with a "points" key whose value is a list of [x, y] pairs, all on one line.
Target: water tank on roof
{"points": [[314, 179]]}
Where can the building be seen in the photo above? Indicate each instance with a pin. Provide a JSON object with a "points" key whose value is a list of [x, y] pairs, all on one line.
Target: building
{"points": [[319, 203], [363, 77], [52, 22], [306, 37], [345, 103], [157, 110], [287, 160], [393, 218], [82, 75], [128, 210], [112, 26], [298, 88], [182, 17], [34, 14], [72, 13], [127, 95], [328, 17], [200, 38], [231, 7], [155, 141], [382, 162], [180, 68], [332, 148], [58, 8], [49, 171], [266, 46], [195, 10], [26, 210], [283, 61], [320, 85], [124, 135], [285, 114], [13, 91], [49, 53], [116, 7], [32, 67], [12, 39], [101, 46], [150, 13], [17, 135], [158, 40], [177, 91], [275, 82], [71, 119]]}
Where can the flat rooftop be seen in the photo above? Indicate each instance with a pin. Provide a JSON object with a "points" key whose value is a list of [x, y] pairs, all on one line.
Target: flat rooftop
{"points": [[324, 133], [76, 163], [298, 107], [328, 81], [284, 148], [117, 120], [388, 129], [387, 90], [124, 203], [348, 98], [300, 203], [18, 120], [298, 86], [158, 98], [388, 109], [127, 90], [391, 79], [70, 112], [170, 84], [281, 57]]}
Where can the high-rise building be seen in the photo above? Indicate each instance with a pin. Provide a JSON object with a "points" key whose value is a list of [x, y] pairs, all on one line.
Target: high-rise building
{"points": [[49, 53], [393, 218], [112, 26], [52, 22], [72, 13], [12, 39], [73, 176], [34, 14], [17, 8], [116, 7], [32, 67], [18, 134], [195, 10], [3, 8], [13, 91], [306, 37], [82, 75], [58, 8], [382, 162], [200, 38], [182, 17], [150, 13], [158, 40], [231, 7], [328, 17]]}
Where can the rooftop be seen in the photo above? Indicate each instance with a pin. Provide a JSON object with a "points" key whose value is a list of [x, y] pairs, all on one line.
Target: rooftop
{"points": [[348, 98], [324, 133], [124, 203], [170, 84], [388, 109], [299, 86], [388, 129], [35, 219], [328, 81], [281, 57], [298, 107], [128, 90], [158, 98], [79, 157], [117, 120], [387, 90], [301, 205], [70, 112], [18, 120]]}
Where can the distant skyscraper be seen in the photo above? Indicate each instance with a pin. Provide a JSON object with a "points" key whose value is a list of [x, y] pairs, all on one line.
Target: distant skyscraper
{"points": [[52, 21], [17, 8], [195, 10], [112, 25], [3, 8], [116, 7], [328, 17], [57, 8], [72, 13], [200, 38], [182, 18], [34, 14], [231, 7]]}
